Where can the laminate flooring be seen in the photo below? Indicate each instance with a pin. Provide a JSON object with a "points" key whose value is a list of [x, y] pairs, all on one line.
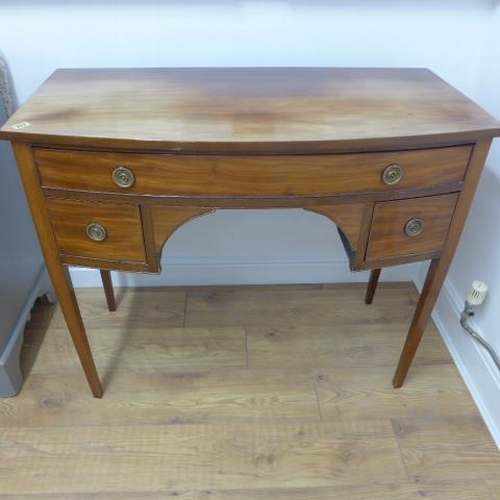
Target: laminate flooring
{"points": [[245, 394]]}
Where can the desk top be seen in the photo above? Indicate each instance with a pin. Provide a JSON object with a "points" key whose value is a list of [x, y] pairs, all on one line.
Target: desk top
{"points": [[248, 109]]}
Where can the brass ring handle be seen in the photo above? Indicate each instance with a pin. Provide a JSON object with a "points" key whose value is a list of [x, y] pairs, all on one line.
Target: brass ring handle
{"points": [[414, 227], [123, 177], [96, 231], [393, 174]]}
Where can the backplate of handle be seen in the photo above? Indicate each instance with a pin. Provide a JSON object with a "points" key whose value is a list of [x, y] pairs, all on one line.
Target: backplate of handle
{"points": [[96, 231], [414, 227], [393, 174], [123, 177]]}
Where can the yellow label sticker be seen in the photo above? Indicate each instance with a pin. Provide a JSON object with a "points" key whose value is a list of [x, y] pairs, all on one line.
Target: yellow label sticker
{"points": [[20, 126]]}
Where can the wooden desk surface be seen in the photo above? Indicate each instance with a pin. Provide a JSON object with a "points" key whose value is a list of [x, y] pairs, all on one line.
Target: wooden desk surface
{"points": [[249, 109]]}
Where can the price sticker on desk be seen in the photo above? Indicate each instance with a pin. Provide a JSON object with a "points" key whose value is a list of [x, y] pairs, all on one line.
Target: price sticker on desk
{"points": [[20, 126]]}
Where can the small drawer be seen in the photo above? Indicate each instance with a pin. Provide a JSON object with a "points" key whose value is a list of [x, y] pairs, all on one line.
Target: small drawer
{"points": [[97, 230], [250, 175], [406, 227]]}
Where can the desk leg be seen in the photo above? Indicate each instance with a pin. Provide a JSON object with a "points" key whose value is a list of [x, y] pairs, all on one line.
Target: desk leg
{"points": [[439, 267], [107, 284], [58, 272], [372, 285], [423, 311], [69, 307]]}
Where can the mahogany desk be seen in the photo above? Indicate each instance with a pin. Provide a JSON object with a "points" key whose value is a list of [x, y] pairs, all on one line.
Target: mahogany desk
{"points": [[115, 160]]}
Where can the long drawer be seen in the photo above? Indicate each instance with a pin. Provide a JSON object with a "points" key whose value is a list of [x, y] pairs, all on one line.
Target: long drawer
{"points": [[250, 176]]}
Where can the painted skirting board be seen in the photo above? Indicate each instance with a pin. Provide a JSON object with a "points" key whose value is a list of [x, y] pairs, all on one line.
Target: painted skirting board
{"points": [[474, 364], [200, 270]]}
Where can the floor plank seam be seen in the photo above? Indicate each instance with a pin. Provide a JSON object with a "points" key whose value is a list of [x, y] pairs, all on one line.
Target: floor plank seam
{"points": [[490, 492], [408, 477], [318, 402], [185, 310], [246, 348]]}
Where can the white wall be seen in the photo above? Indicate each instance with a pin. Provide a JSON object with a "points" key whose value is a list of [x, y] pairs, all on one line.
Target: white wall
{"points": [[478, 253], [38, 36]]}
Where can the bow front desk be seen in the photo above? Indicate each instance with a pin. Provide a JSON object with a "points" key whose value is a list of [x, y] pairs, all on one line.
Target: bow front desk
{"points": [[114, 160]]}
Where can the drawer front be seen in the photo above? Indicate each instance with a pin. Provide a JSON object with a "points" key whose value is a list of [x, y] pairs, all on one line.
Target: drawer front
{"points": [[252, 176], [122, 234], [407, 227]]}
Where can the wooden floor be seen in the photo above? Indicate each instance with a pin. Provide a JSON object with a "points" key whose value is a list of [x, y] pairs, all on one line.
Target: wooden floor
{"points": [[243, 394]]}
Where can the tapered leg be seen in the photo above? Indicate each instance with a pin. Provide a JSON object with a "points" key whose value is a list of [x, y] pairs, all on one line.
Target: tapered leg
{"points": [[59, 275], [108, 289], [423, 311], [439, 267], [372, 285], [69, 307]]}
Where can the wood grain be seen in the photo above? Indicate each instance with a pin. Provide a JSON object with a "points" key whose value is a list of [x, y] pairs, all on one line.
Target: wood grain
{"points": [[372, 285], [184, 415], [109, 293], [307, 307], [348, 218], [195, 426], [456, 490], [338, 346], [137, 308], [58, 273], [167, 219], [199, 456], [494, 487], [439, 267], [124, 240], [171, 349], [157, 396], [387, 235], [352, 393], [451, 448], [246, 137], [242, 109], [232, 175]]}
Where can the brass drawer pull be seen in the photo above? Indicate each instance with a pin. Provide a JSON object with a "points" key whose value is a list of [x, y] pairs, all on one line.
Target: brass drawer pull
{"points": [[414, 227], [96, 231], [123, 177], [393, 174]]}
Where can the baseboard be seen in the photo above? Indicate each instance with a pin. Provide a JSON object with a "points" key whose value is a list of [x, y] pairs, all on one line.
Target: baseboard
{"points": [[473, 362], [200, 270], [10, 371]]}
